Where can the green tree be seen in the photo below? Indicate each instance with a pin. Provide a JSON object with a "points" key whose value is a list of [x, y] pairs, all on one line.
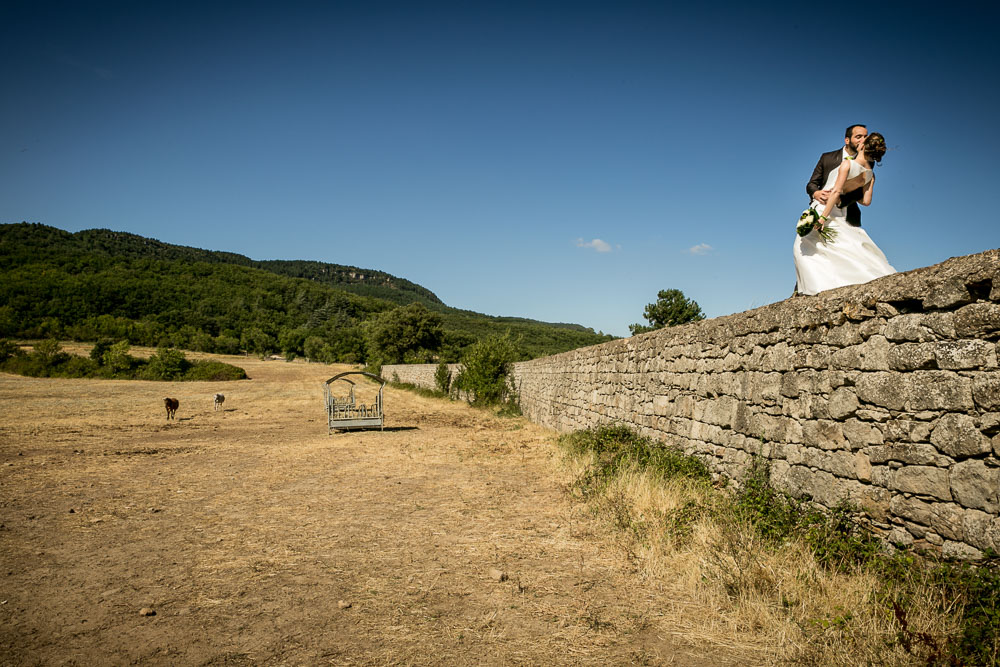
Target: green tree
{"points": [[442, 377], [291, 342], [117, 358], [100, 349], [671, 308], [258, 342], [314, 348], [408, 329], [485, 371], [48, 350], [7, 349], [166, 364]]}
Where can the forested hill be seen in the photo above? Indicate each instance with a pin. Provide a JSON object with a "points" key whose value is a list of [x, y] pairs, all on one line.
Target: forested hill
{"points": [[103, 284], [31, 237]]}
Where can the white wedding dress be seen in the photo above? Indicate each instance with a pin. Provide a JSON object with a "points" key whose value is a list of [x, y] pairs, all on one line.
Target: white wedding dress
{"points": [[849, 259]]}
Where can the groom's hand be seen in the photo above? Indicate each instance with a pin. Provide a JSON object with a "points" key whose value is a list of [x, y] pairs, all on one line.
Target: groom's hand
{"points": [[821, 196]]}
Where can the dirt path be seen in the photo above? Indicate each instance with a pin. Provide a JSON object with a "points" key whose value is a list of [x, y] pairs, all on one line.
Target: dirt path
{"points": [[244, 529]]}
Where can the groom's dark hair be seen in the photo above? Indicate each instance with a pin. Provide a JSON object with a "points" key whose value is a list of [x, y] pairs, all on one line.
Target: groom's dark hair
{"points": [[847, 132]]}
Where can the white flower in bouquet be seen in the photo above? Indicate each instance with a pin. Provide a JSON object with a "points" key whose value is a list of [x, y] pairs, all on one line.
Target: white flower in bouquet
{"points": [[810, 220]]}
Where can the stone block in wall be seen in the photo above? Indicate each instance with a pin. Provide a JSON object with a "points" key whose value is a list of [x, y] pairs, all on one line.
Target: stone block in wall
{"points": [[729, 384], [922, 481], [806, 407], [976, 485], [977, 320], [732, 362], [844, 335], [721, 411], [908, 453], [912, 357], [827, 489], [862, 467], [663, 406], [843, 403], [875, 354], [906, 430], [957, 436], [938, 390], [873, 327], [860, 434], [900, 537], [981, 530], [764, 387], [824, 434], [791, 384], [909, 327], [885, 390], [947, 294], [965, 354], [960, 551], [873, 415], [919, 390], [885, 310], [774, 428], [813, 356], [840, 463], [847, 357], [934, 538], [942, 324], [986, 390], [882, 476], [873, 500], [946, 519], [779, 357], [871, 355]]}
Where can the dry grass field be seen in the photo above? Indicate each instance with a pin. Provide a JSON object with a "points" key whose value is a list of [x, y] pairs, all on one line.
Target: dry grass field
{"points": [[254, 537]]}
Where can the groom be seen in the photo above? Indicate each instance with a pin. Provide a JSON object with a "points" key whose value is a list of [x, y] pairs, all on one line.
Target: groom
{"points": [[853, 138]]}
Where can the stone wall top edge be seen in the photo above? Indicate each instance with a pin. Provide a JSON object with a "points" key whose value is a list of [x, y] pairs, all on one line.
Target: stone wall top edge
{"points": [[948, 277]]}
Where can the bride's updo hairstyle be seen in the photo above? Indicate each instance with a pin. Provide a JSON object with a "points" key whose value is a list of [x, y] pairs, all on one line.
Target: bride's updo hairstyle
{"points": [[875, 147]]}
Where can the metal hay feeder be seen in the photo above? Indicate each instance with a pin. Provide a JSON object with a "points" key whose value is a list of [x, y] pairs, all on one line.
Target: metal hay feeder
{"points": [[344, 413]]}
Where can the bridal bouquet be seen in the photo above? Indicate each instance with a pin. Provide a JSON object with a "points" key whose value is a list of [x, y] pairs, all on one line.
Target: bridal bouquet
{"points": [[810, 220]]}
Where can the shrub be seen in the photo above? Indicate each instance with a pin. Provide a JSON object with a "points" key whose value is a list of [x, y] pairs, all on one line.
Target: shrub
{"points": [[166, 364], [442, 378], [226, 345], [100, 348], [8, 349], [618, 447], [49, 350], [117, 358], [485, 372], [214, 371]]}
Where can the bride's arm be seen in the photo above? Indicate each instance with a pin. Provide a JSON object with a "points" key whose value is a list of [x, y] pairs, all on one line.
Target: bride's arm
{"points": [[838, 188], [866, 200]]}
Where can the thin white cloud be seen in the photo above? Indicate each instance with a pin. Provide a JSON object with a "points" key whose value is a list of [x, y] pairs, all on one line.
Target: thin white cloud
{"points": [[596, 244], [700, 249]]}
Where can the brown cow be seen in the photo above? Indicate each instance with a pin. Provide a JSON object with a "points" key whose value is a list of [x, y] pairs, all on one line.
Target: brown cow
{"points": [[171, 404]]}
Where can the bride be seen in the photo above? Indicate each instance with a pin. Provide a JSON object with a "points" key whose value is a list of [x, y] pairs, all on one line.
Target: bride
{"points": [[852, 257]]}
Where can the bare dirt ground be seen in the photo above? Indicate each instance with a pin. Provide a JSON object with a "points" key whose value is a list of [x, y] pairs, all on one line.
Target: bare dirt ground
{"points": [[249, 531]]}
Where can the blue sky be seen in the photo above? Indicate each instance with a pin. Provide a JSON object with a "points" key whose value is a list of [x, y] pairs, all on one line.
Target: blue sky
{"points": [[558, 161]]}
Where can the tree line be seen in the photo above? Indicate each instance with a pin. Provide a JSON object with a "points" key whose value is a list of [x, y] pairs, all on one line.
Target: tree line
{"points": [[97, 285]]}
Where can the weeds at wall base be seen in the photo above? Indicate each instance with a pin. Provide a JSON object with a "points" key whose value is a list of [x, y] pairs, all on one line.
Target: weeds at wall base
{"points": [[920, 609]]}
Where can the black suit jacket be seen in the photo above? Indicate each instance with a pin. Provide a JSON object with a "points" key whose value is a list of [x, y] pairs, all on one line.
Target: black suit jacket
{"points": [[827, 163]]}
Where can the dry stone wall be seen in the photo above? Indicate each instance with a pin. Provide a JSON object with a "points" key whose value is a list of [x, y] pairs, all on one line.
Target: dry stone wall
{"points": [[885, 394]]}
